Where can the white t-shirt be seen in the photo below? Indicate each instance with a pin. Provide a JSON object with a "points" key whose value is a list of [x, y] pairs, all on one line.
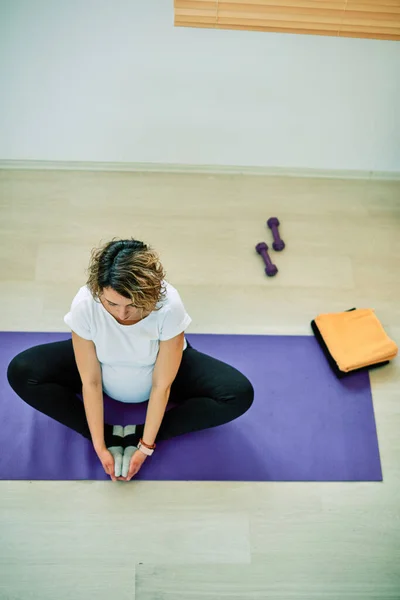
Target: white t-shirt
{"points": [[127, 353]]}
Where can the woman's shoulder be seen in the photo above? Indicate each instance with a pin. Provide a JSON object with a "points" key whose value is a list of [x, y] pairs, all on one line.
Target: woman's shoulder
{"points": [[171, 297], [82, 298], [80, 316], [173, 318]]}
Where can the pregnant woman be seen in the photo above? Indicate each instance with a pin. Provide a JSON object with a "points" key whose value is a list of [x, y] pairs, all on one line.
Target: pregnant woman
{"points": [[128, 341]]}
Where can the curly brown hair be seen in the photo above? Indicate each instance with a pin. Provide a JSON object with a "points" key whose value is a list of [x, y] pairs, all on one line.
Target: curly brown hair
{"points": [[129, 267]]}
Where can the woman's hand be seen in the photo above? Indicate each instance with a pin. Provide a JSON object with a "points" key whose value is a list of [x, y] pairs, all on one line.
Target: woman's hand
{"points": [[137, 460], [107, 460]]}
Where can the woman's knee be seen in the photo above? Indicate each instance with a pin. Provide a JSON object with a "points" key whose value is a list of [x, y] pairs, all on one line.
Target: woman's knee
{"points": [[244, 394], [20, 371]]}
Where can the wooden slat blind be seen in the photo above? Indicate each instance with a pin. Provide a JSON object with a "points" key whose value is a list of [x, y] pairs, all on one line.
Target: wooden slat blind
{"points": [[378, 19]]}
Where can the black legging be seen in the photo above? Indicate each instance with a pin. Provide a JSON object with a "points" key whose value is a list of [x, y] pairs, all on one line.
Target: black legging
{"points": [[206, 391]]}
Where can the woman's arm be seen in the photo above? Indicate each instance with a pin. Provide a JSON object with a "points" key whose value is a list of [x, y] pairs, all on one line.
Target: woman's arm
{"points": [[165, 370], [92, 389], [93, 403]]}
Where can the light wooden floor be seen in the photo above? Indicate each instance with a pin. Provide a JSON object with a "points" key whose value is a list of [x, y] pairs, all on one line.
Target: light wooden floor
{"points": [[164, 541]]}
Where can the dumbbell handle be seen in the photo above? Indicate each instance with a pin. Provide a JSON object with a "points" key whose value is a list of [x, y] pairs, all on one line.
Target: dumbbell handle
{"points": [[266, 257], [270, 268]]}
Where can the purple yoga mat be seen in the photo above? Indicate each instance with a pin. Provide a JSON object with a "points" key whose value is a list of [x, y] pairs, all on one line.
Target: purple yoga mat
{"points": [[304, 425]]}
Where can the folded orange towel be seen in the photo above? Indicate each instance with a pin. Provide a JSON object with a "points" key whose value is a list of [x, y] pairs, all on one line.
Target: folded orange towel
{"points": [[355, 338]]}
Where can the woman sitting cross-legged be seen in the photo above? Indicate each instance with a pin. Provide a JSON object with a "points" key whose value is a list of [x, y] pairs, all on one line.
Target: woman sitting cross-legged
{"points": [[128, 341]]}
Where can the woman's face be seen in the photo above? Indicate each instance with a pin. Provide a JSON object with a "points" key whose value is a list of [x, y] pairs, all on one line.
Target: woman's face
{"points": [[119, 307]]}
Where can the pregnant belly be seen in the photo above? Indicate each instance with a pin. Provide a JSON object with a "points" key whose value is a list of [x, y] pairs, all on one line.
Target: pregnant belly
{"points": [[127, 384]]}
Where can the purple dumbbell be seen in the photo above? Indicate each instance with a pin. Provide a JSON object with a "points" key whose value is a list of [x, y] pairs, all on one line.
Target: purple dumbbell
{"points": [[270, 269], [273, 224]]}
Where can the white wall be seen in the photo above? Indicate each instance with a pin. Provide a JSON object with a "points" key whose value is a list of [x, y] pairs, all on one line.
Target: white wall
{"points": [[101, 80]]}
